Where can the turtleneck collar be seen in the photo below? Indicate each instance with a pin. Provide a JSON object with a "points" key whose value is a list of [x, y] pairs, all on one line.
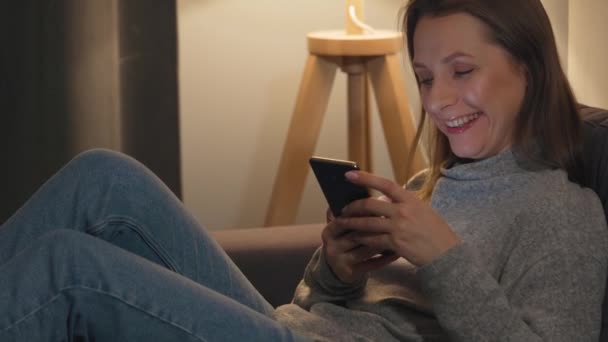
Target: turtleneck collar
{"points": [[500, 165]]}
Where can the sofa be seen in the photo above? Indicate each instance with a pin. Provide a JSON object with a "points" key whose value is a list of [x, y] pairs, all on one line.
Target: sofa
{"points": [[274, 258]]}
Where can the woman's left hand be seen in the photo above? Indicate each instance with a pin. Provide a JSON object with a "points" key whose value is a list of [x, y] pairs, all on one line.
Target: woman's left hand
{"points": [[404, 225]]}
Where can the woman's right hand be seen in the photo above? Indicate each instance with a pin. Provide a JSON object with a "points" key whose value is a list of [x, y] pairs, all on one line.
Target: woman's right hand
{"points": [[349, 262]]}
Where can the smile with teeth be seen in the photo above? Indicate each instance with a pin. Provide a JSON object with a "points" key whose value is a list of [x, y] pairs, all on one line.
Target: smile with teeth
{"points": [[462, 120]]}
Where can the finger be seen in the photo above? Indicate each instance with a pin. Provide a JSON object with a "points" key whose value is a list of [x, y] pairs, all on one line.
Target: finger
{"points": [[361, 253], [367, 224], [369, 207], [338, 251], [337, 245], [334, 230], [384, 198], [375, 263], [392, 190], [378, 242]]}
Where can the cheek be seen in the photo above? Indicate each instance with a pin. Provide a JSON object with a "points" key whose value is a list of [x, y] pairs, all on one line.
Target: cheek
{"points": [[495, 95], [479, 94], [424, 99]]}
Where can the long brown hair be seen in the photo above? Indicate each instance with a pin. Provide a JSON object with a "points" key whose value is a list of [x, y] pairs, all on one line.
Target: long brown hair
{"points": [[548, 126]]}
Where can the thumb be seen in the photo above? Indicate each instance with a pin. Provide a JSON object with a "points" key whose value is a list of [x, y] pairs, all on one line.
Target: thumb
{"points": [[329, 216], [384, 198]]}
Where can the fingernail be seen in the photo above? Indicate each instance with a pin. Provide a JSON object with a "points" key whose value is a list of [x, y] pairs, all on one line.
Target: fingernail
{"points": [[352, 175]]}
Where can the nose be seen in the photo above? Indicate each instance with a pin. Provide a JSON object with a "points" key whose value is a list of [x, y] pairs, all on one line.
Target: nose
{"points": [[441, 95]]}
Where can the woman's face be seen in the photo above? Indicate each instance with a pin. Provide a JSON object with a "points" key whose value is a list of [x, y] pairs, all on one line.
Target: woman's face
{"points": [[470, 87]]}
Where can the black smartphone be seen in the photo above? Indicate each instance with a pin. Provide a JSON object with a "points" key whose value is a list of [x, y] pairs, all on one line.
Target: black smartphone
{"points": [[337, 189]]}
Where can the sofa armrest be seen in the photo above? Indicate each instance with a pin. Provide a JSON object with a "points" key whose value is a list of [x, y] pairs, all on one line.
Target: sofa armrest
{"points": [[273, 259]]}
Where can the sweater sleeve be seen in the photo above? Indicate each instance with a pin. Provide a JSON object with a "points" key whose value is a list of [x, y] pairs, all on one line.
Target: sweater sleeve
{"points": [[557, 298], [320, 284]]}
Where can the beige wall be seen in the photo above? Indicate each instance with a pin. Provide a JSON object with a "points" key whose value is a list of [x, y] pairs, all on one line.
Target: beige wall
{"points": [[240, 67], [581, 29], [588, 51]]}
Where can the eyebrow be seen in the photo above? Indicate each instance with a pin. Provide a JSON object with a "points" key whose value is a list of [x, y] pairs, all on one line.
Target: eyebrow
{"points": [[445, 60]]}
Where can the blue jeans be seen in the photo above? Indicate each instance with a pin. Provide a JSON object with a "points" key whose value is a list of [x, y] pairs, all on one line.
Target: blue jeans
{"points": [[105, 252]]}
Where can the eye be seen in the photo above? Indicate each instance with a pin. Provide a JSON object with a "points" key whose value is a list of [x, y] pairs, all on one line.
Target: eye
{"points": [[463, 72], [426, 81], [424, 77]]}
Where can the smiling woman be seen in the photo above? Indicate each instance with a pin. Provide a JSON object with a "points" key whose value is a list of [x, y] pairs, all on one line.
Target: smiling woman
{"points": [[484, 51], [502, 246], [487, 233], [460, 72]]}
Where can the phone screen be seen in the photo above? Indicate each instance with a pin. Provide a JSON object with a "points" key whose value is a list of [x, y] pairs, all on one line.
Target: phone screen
{"points": [[336, 188]]}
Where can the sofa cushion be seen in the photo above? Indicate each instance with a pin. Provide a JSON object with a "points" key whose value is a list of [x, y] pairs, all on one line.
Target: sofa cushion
{"points": [[273, 258]]}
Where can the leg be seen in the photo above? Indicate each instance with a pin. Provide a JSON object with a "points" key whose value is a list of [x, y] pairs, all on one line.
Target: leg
{"points": [[70, 286], [113, 197]]}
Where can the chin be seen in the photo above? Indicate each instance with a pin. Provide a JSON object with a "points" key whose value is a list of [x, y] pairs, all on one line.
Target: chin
{"points": [[466, 152]]}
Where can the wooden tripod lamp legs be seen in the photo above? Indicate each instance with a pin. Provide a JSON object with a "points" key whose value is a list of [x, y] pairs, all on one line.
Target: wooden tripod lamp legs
{"points": [[398, 123], [302, 136], [388, 84], [359, 135]]}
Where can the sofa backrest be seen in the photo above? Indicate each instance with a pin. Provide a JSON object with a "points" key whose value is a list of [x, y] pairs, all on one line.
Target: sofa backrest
{"points": [[595, 152], [595, 171]]}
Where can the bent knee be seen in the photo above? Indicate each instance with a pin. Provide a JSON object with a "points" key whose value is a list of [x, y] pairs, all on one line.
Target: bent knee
{"points": [[100, 164], [102, 159]]}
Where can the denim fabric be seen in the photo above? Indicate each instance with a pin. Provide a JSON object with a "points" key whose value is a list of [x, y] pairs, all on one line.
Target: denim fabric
{"points": [[105, 252]]}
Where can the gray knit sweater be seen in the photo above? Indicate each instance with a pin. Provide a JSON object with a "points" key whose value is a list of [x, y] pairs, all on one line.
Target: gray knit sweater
{"points": [[532, 267]]}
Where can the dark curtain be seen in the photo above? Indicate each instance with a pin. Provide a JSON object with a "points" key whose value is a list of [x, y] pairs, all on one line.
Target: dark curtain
{"points": [[52, 107], [149, 92]]}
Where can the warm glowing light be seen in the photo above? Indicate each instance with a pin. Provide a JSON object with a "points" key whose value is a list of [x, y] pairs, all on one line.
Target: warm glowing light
{"points": [[351, 27]]}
